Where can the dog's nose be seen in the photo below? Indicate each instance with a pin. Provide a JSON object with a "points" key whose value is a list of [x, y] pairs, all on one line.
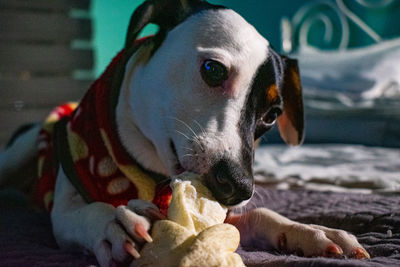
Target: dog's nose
{"points": [[229, 183]]}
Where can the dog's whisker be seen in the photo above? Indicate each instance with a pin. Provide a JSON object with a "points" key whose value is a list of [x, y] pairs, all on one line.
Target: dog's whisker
{"points": [[190, 128], [191, 139], [187, 148], [195, 138], [242, 219], [187, 155], [187, 137], [197, 141], [201, 127], [256, 194], [203, 132], [259, 197]]}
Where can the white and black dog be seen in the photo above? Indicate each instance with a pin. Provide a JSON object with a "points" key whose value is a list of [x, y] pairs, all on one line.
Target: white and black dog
{"points": [[196, 97]]}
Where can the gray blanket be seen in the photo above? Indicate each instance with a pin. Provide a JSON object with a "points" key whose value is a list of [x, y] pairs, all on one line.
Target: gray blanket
{"points": [[26, 239], [374, 219]]}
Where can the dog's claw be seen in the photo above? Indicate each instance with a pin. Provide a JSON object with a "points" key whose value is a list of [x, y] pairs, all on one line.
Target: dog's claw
{"points": [[131, 250], [142, 232], [333, 251], [360, 253]]}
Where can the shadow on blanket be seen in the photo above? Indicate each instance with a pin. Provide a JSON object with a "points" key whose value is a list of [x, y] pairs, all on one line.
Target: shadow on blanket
{"points": [[26, 239]]}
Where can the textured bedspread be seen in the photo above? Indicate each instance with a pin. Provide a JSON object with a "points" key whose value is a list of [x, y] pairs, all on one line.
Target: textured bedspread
{"points": [[26, 239], [330, 166], [374, 219]]}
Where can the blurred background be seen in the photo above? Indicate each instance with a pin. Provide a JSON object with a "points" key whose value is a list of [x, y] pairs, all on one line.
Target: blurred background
{"points": [[50, 52], [111, 18]]}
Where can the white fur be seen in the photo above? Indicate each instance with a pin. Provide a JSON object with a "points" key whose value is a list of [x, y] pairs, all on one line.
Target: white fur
{"points": [[168, 100], [78, 225], [311, 240]]}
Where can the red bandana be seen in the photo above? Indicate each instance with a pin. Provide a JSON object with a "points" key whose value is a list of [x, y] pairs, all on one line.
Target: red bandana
{"points": [[91, 154]]}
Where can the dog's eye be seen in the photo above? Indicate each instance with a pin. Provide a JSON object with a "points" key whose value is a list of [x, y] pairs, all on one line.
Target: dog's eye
{"points": [[271, 116], [213, 73]]}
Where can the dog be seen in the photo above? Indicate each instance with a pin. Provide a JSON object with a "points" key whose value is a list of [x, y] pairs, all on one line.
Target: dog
{"points": [[194, 97]]}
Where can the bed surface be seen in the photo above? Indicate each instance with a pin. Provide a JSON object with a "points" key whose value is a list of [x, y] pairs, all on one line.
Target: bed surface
{"points": [[26, 239], [334, 167], [374, 219]]}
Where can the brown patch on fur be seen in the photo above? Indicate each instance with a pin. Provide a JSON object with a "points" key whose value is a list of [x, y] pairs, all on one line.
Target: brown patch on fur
{"points": [[291, 123], [272, 93], [296, 80], [256, 143]]}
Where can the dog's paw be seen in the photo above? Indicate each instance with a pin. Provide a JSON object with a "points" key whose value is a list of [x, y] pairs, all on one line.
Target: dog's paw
{"points": [[125, 234], [315, 240]]}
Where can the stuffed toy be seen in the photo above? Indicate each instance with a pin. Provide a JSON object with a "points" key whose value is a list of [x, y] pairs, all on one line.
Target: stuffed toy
{"points": [[194, 233]]}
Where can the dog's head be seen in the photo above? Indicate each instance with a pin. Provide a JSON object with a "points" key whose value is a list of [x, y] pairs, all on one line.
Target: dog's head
{"points": [[202, 90]]}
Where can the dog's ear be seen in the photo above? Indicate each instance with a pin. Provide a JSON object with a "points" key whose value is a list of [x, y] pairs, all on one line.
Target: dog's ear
{"points": [[291, 122], [142, 16], [189, 4], [164, 13]]}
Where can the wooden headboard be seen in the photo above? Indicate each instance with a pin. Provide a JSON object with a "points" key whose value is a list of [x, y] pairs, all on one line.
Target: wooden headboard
{"points": [[46, 58]]}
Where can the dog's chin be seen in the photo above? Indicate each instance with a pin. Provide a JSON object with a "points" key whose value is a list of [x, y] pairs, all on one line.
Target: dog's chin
{"points": [[238, 206]]}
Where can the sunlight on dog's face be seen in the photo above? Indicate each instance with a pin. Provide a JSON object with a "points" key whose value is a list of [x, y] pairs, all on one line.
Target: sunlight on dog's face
{"points": [[192, 99]]}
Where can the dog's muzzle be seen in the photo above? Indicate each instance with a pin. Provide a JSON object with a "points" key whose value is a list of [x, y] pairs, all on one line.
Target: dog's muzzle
{"points": [[229, 183]]}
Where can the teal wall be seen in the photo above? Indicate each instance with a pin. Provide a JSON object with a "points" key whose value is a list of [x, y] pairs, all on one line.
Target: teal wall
{"points": [[111, 19]]}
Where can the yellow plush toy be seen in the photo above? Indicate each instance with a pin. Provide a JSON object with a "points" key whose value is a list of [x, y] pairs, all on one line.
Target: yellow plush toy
{"points": [[194, 234]]}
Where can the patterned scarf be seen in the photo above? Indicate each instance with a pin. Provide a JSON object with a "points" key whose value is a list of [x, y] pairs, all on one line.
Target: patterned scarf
{"points": [[84, 140]]}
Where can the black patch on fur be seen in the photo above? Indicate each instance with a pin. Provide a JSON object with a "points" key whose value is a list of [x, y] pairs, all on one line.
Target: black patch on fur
{"points": [[167, 14], [256, 105], [232, 182], [229, 182], [20, 131]]}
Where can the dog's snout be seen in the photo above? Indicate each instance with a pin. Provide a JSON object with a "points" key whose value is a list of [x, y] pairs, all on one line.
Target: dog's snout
{"points": [[229, 183], [224, 184]]}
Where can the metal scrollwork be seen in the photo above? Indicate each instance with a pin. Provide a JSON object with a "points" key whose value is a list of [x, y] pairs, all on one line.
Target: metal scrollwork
{"points": [[311, 13]]}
